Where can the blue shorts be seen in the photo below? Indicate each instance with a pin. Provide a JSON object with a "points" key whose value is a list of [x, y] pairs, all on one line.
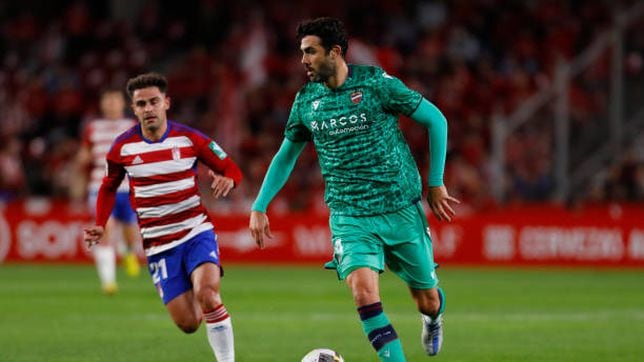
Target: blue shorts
{"points": [[171, 269], [122, 208]]}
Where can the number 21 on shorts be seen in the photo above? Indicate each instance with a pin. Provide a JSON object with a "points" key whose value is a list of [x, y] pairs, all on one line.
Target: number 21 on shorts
{"points": [[158, 271]]}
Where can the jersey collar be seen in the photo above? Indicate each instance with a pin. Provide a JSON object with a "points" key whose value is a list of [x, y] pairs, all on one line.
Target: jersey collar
{"points": [[165, 135], [346, 81]]}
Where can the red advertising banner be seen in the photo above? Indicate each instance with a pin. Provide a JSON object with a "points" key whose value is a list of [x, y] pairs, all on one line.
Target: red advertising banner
{"points": [[42, 230]]}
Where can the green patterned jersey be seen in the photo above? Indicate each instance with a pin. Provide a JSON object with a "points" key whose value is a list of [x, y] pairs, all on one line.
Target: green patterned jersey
{"points": [[366, 163]]}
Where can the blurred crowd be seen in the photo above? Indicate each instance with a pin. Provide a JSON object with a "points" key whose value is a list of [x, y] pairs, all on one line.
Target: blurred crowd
{"points": [[234, 68]]}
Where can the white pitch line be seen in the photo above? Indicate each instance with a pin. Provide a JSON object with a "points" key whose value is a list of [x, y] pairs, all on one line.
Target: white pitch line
{"points": [[634, 314]]}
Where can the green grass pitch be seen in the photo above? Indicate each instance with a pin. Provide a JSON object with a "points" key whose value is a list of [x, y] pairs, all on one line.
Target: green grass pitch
{"points": [[57, 313]]}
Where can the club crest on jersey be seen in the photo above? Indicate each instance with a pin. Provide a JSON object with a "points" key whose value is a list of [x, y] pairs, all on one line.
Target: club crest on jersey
{"points": [[356, 97], [214, 147], [315, 105], [176, 153]]}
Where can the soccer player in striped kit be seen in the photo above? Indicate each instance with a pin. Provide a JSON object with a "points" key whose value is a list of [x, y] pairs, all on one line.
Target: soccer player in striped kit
{"points": [[97, 137], [159, 156], [373, 187]]}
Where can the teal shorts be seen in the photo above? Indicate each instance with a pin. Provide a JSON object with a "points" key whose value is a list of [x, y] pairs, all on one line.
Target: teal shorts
{"points": [[401, 240]]}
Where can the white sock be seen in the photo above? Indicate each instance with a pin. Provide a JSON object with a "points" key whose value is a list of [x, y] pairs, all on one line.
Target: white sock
{"points": [[219, 328], [105, 259]]}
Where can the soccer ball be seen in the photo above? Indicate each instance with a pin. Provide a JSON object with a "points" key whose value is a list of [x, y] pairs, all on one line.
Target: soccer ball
{"points": [[322, 355]]}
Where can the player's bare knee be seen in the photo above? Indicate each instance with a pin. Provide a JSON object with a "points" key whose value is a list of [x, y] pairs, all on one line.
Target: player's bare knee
{"points": [[208, 297], [365, 295], [189, 326], [188, 329]]}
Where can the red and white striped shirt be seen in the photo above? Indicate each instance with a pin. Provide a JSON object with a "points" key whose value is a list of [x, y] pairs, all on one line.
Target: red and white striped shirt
{"points": [[98, 136], [163, 183]]}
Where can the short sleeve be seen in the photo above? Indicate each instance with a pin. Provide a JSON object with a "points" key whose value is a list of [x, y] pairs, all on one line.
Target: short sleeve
{"points": [[295, 130], [395, 96]]}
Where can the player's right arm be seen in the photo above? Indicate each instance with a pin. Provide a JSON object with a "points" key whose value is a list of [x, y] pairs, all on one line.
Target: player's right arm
{"points": [[278, 172], [104, 201]]}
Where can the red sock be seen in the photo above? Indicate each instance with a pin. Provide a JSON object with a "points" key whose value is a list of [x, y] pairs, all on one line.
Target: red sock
{"points": [[216, 315]]}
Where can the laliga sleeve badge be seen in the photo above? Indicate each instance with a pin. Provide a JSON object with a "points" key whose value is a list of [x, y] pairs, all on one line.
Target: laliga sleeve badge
{"points": [[214, 147]]}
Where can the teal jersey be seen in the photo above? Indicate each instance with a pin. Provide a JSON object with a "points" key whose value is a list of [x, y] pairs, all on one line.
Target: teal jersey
{"points": [[366, 163]]}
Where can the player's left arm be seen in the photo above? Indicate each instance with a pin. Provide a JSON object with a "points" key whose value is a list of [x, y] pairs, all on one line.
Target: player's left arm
{"points": [[397, 98], [433, 119], [224, 172]]}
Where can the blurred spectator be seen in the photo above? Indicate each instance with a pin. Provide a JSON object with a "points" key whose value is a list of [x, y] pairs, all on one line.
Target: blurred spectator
{"points": [[12, 174], [236, 72], [623, 181]]}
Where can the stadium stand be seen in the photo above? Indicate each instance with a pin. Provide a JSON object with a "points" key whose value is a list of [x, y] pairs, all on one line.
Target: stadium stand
{"points": [[234, 71]]}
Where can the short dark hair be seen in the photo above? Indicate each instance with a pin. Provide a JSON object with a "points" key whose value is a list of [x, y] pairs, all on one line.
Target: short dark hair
{"points": [[146, 80], [331, 32]]}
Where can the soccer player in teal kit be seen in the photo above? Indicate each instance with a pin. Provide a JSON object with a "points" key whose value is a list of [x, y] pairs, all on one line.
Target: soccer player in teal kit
{"points": [[373, 187]]}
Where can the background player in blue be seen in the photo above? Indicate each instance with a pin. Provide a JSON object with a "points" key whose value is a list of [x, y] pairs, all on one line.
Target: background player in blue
{"points": [[97, 136], [373, 187]]}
